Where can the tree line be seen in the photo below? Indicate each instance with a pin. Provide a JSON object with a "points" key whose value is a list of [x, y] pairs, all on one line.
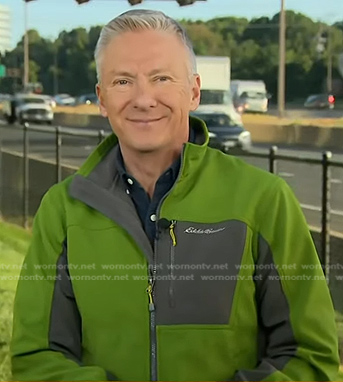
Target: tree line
{"points": [[66, 65]]}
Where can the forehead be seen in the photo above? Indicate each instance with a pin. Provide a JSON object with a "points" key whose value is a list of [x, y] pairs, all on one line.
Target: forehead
{"points": [[144, 48]]}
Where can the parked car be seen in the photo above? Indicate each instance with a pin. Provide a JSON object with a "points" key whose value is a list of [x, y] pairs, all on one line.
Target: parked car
{"points": [[49, 100], [64, 100], [87, 99], [320, 101], [27, 108], [225, 134]]}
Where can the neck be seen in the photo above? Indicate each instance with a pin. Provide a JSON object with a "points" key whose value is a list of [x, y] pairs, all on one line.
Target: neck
{"points": [[148, 167]]}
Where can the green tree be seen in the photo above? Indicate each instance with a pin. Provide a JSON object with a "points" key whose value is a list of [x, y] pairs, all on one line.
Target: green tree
{"points": [[205, 41], [251, 45]]}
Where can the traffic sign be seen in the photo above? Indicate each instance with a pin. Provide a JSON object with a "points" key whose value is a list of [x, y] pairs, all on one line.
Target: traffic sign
{"points": [[13, 72], [2, 71]]}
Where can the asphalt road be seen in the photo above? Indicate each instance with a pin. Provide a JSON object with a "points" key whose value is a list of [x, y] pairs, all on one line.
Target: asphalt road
{"points": [[305, 179]]}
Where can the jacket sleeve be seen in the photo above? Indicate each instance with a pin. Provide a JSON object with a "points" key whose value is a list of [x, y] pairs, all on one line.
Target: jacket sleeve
{"points": [[298, 337], [47, 337]]}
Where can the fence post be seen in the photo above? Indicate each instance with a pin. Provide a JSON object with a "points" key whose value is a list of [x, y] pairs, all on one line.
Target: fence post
{"points": [[58, 143], [272, 160], [101, 136], [326, 212], [26, 180]]}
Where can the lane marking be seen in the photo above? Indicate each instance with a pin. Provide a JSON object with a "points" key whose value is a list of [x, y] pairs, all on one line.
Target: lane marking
{"points": [[286, 174], [319, 209]]}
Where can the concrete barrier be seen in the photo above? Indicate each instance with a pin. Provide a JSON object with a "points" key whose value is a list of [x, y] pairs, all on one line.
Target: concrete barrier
{"points": [[295, 135], [310, 136], [89, 121]]}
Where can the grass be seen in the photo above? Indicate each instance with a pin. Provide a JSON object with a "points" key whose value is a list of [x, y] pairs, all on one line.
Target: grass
{"points": [[14, 242], [339, 320]]}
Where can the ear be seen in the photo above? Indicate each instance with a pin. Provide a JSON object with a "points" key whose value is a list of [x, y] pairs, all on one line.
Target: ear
{"points": [[102, 107], [196, 84]]}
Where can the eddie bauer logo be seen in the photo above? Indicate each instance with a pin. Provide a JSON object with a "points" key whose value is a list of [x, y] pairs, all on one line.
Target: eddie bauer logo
{"points": [[203, 231]]}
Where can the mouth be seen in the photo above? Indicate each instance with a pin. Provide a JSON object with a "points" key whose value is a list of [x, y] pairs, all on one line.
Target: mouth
{"points": [[145, 120]]}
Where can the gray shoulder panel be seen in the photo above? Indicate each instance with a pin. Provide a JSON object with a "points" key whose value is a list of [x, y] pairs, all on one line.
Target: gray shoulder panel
{"points": [[65, 320], [116, 206]]}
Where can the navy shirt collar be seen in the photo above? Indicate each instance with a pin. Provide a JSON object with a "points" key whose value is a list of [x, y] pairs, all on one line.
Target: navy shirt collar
{"points": [[173, 170], [146, 207]]}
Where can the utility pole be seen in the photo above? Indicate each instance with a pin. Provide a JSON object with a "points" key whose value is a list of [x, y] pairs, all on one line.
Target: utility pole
{"points": [[26, 48], [329, 72], [282, 61], [56, 67], [26, 78]]}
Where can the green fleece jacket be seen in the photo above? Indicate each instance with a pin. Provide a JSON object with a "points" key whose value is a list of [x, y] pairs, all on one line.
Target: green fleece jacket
{"points": [[231, 290]]}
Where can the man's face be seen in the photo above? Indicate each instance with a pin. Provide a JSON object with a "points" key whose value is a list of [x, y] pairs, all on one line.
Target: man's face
{"points": [[147, 90]]}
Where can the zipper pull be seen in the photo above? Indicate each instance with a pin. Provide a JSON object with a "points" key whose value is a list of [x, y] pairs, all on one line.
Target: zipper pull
{"points": [[172, 233], [151, 300]]}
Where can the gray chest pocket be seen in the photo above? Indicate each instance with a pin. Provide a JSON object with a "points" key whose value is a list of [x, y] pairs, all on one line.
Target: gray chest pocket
{"points": [[199, 265]]}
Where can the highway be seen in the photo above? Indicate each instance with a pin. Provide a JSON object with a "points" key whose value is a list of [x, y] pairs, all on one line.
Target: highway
{"points": [[305, 179]]}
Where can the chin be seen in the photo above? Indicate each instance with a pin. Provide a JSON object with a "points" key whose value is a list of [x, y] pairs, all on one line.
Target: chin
{"points": [[149, 147]]}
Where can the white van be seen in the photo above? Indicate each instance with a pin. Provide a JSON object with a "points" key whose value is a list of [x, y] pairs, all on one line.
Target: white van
{"points": [[252, 94]]}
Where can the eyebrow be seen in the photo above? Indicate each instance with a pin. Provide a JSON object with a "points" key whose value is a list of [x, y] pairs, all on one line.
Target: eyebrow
{"points": [[121, 73], [128, 74], [157, 71]]}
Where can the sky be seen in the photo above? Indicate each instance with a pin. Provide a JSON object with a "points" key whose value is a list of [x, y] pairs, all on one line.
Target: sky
{"points": [[50, 17]]}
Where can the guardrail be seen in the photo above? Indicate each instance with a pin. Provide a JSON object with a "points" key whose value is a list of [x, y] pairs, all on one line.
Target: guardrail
{"points": [[326, 163]]}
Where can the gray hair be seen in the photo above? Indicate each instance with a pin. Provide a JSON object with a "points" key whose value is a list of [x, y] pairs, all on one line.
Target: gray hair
{"points": [[138, 20]]}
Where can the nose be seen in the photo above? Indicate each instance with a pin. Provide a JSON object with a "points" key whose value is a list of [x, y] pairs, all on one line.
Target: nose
{"points": [[144, 97]]}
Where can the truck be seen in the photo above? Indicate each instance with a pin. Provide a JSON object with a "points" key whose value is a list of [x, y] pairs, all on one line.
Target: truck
{"points": [[252, 95], [215, 74], [27, 108]]}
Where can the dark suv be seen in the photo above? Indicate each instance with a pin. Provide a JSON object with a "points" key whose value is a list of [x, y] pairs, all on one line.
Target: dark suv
{"points": [[320, 101], [224, 133]]}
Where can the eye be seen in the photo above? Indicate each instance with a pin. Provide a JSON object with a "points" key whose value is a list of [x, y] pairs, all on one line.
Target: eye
{"points": [[121, 82], [162, 79]]}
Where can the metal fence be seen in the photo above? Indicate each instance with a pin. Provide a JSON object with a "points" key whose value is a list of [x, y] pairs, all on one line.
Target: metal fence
{"points": [[59, 133], [326, 162]]}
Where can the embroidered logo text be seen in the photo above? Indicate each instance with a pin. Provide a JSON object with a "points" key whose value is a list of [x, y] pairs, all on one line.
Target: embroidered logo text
{"points": [[200, 231]]}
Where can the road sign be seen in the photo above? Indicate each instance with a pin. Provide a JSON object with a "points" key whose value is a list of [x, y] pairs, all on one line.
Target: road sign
{"points": [[2, 71], [13, 72]]}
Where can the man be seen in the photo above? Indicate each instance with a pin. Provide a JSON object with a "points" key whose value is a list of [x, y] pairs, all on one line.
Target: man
{"points": [[163, 259]]}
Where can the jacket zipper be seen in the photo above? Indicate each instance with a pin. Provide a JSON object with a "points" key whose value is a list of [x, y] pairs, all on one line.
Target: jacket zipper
{"points": [[172, 263], [153, 342], [150, 289]]}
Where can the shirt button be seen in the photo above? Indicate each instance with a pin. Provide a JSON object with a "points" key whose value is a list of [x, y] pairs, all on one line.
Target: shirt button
{"points": [[130, 181], [128, 192], [153, 217]]}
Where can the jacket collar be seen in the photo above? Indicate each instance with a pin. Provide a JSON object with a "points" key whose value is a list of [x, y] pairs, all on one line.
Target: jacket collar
{"points": [[97, 183]]}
